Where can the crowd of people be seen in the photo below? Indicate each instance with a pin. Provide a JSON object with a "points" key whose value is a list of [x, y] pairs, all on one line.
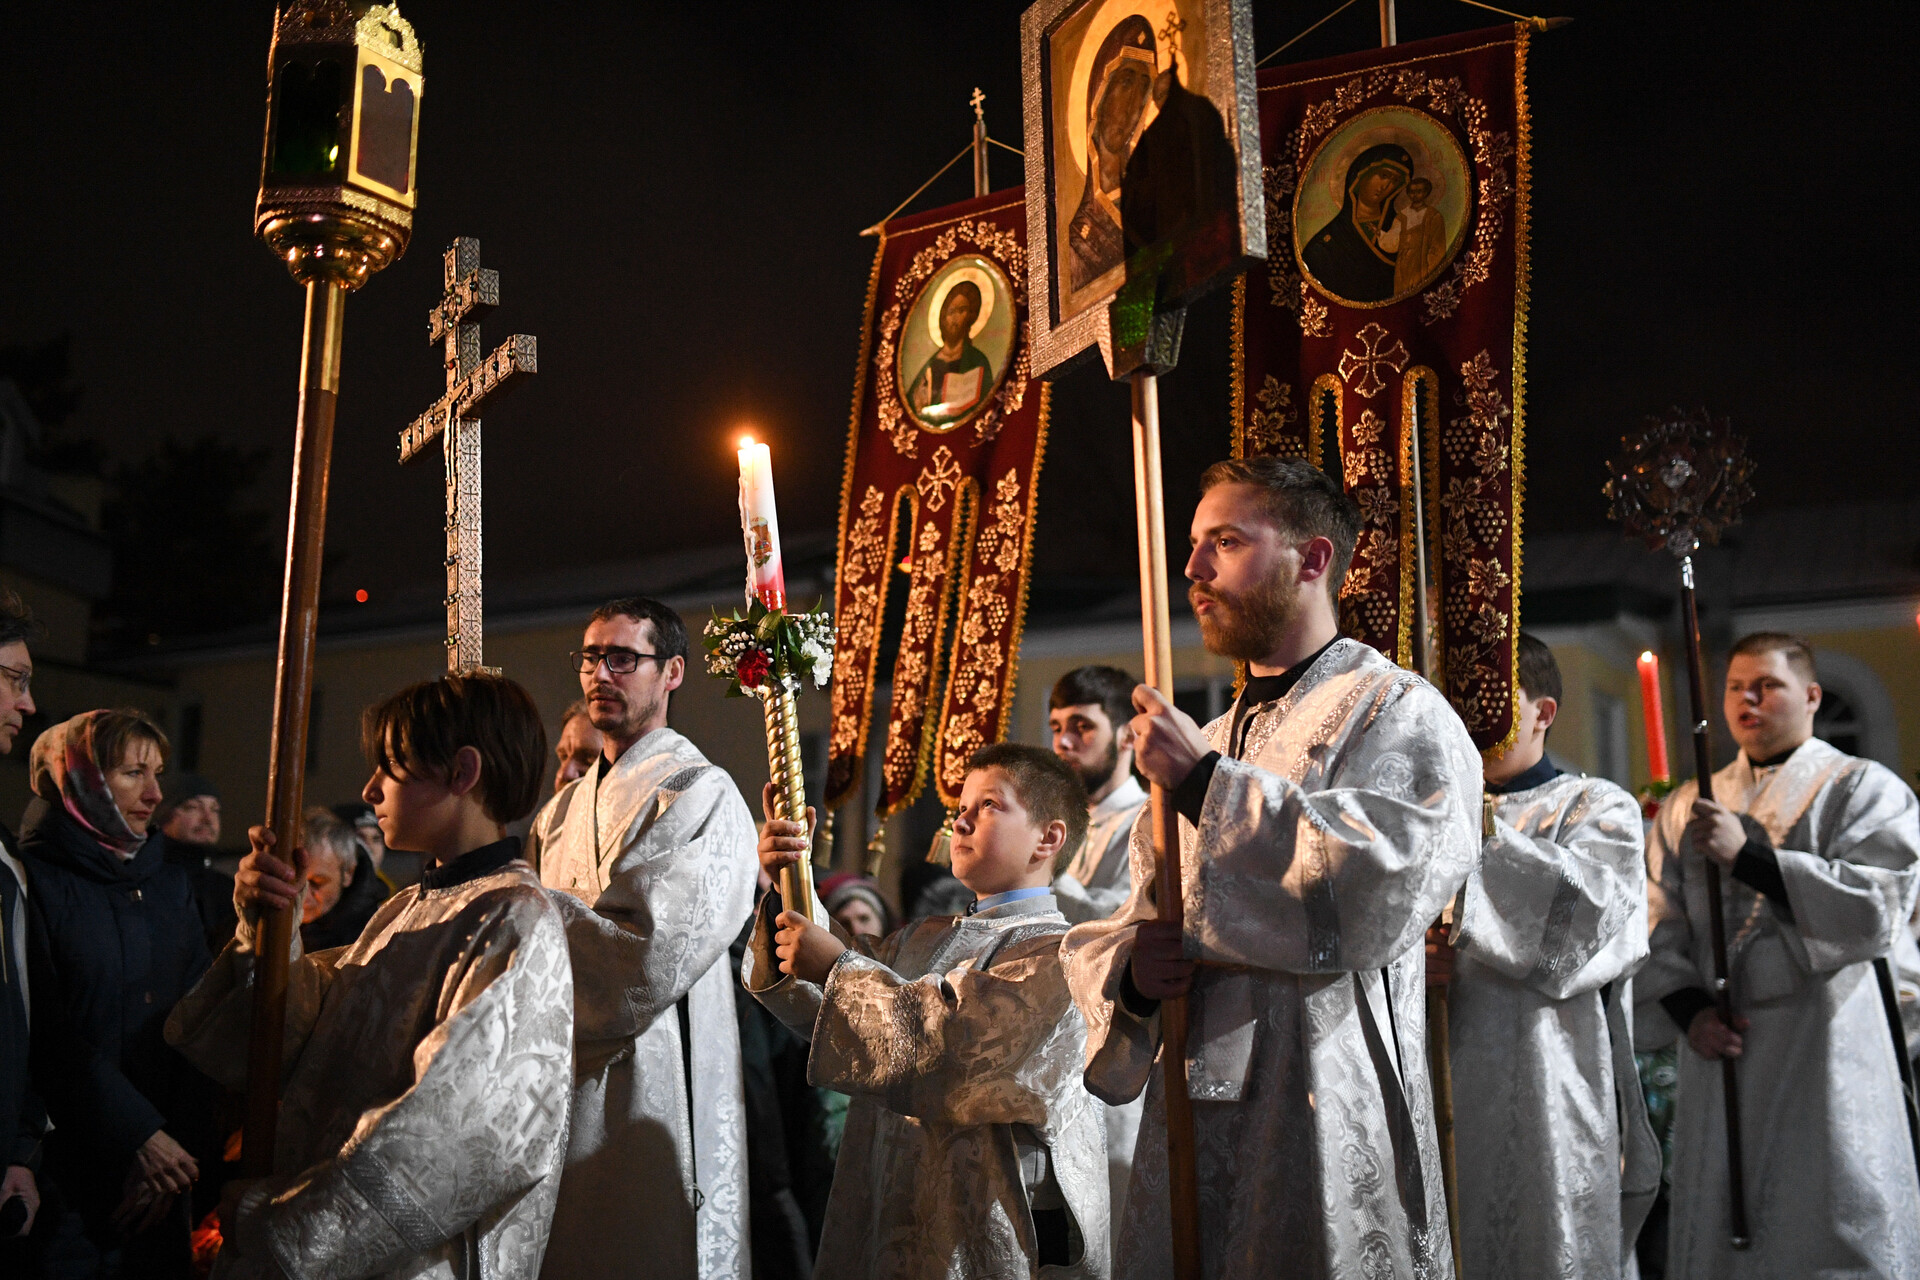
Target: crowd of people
{"points": [[608, 1047]]}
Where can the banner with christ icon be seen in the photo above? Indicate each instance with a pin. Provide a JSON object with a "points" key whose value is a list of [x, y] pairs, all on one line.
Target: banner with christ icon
{"points": [[1394, 299], [948, 429]]}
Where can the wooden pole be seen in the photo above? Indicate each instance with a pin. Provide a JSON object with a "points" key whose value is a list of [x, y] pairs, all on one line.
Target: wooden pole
{"points": [[292, 702], [1439, 1012], [1740, 1236], [1183, 1179]]}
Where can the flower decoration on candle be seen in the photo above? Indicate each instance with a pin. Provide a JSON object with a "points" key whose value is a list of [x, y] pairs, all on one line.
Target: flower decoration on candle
{"points": [[763, 650]]}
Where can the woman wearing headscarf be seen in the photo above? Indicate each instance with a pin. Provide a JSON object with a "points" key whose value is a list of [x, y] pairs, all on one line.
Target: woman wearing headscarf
{"points": [[119, 941]]}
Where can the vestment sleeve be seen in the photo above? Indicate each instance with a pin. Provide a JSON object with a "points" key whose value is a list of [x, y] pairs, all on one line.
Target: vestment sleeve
{"points": [[794, 1001], [1850, 898], [483, 1123], [1345, 878], [1566, 915], [1671, 963], [672, 906], [971, 1046], [214, 1021], [1121, 1046]]}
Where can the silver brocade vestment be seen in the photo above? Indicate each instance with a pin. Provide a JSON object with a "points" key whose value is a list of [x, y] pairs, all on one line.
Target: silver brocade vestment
{"points": [[1322, 856], [960, 1045], [1545, 1091], [653, 868], [1097, 883], [424, 1110], [1830, 1179]]}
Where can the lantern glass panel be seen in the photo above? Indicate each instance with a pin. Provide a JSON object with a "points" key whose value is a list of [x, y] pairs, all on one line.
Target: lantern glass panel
{"points": [[306, 119], [383, 151]]}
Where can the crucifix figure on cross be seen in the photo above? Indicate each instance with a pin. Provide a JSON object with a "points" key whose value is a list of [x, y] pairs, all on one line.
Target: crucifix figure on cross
{"points": [[471, 383]]}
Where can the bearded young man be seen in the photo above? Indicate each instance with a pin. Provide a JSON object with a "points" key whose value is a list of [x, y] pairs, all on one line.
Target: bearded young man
{"points": [[1089, 718], [1325, 821], [651, 856], [1824, 856]]}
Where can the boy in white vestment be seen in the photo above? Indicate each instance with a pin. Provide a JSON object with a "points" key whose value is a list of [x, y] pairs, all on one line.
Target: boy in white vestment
{"points": [[971, 1150], [1325, 823], [1557, 1164], [1823, 852], [423, 1116]]}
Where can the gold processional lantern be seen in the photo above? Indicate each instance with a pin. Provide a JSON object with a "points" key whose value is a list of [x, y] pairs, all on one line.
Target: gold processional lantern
{"points": [[337, 185], [337, 192]]}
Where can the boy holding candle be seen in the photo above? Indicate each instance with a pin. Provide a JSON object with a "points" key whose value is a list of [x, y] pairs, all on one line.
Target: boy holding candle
{"points": [[971, 1146], [1557, 1165]]}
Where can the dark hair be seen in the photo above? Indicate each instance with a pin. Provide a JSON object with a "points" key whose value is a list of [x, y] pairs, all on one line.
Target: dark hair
{"points": [[1047, 786], [16, 620], [1799, 653], [669, 632], [120, 728], [423, 727], [1539, 672], [1303, 500], [576, 710], [1108, 687]]}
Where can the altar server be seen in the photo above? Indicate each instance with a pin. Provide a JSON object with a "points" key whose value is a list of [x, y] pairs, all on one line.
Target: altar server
{"points": [[1090, 720], [650, 855], [971, 1151], [1557, 1164], [1822, 849], [424, 1112], [1327, 820]]}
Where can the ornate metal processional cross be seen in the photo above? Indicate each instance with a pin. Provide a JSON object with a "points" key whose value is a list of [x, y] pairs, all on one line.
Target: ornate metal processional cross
{"points": [[471, 383]]}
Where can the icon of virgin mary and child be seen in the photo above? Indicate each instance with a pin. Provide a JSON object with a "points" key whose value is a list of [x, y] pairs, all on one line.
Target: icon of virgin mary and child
{"points": [[1387, 240]]}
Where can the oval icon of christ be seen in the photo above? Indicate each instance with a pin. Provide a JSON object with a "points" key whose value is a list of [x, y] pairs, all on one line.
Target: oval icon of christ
{"points": [[956, 343]]}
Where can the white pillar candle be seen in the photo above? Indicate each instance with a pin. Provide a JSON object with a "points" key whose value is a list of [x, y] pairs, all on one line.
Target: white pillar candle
{"points": [[760, 527]]}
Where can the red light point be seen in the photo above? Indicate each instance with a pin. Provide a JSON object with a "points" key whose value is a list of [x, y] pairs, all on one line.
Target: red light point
{"points": [[361, 595]]}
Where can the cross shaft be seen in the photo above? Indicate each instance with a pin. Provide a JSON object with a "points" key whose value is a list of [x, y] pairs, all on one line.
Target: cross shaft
{"points": [[471, 292]]}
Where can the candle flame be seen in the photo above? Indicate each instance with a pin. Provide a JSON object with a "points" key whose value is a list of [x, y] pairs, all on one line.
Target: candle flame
{"points": [[1646, 657], [746, 442]]}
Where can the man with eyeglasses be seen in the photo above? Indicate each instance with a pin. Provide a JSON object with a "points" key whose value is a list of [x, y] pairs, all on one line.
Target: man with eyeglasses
{"points": [[22, 1116], [651, 857]]}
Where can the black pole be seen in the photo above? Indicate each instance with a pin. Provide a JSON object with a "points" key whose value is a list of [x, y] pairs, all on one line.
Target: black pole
{"points": [[1890, 1001], [1716, 912]]}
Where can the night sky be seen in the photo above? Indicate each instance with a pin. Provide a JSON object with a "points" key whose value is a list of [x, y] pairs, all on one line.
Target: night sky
{"points": [[672, 196]]}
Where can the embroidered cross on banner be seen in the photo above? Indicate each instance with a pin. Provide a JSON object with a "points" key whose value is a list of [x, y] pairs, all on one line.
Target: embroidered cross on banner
{"points": [[1367, 361], [472, 381]]}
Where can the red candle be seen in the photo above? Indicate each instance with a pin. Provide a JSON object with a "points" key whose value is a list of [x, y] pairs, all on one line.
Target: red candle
{"points": [[1656, 719]]}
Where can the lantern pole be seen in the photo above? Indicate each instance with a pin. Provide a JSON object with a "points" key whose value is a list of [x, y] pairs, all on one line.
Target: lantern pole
{"points": [[336, 205]]}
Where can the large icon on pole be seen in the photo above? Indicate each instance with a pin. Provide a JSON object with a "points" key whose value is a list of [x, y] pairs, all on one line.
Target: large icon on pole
{"points": [[1138, 110]]}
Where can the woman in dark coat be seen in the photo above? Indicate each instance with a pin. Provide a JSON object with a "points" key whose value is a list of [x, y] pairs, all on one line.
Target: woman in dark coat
{"points": [[118, 942]]}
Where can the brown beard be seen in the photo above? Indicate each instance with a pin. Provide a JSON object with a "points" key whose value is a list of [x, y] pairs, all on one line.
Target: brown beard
{"points": [[625, 725], [1248, 626], [1096, 777]]}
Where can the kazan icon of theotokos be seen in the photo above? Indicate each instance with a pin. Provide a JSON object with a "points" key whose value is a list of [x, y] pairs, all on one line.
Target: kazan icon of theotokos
{"points": [[1354, 256], [1119, 90]]}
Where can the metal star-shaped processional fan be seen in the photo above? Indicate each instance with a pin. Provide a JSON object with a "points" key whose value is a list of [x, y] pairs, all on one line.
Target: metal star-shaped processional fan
{"points": [[1679, 482]]}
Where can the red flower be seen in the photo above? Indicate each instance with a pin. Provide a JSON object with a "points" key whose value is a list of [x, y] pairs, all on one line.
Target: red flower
{"points": [[752, 668]]}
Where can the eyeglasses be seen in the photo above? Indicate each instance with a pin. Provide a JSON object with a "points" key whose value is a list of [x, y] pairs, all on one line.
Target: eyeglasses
{"points": [[622, 662], [22, 677]]}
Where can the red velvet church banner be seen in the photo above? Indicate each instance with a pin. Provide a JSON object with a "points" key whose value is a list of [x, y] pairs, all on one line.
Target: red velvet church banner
{"points": [[948, 430], [1394, 298]]}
